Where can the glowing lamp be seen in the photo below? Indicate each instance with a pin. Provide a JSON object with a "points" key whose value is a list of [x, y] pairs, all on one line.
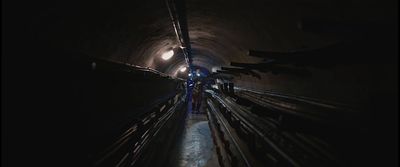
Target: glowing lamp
{"points": [[183, 69], [167, 55]]}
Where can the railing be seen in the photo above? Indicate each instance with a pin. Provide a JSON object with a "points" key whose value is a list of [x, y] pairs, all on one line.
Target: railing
{"points": [[129, 147], [304, 107], [130, 67], [303, 99], [228, 150], [269, 143]]}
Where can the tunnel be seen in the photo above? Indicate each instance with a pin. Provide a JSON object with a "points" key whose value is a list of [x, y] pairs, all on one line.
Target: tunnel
{"points": [[200, 83]]}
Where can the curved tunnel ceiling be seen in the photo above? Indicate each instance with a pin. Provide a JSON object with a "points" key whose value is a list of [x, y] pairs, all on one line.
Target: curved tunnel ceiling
{"points": [[220, 31]]}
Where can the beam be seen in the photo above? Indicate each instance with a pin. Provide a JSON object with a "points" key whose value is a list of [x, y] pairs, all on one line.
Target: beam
{"points": [[221, 75], [275, 69], [228, 72], [247, 65], [234, 69], [242, 70], [177, 12], [271, 55]]}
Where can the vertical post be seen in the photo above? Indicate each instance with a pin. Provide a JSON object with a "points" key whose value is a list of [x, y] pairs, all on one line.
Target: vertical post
{"points": [[221, 88], [231, 89], [226, 88]]}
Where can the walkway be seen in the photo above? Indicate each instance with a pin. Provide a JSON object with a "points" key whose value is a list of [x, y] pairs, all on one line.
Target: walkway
{"points": [[195, 148]]}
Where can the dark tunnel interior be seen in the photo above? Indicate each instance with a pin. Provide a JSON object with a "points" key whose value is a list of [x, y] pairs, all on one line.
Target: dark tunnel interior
{"points": [[176, 83]]}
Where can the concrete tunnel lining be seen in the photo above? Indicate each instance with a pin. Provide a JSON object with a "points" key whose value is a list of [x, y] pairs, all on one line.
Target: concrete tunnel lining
{"points": [[222, 32], [50, 101]]}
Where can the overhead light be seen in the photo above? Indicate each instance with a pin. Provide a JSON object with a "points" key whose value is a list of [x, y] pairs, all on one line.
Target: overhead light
{"points": [[198, 74], [190, 74], [214, 69], [93, 65], [167, 55], [182, 69]]}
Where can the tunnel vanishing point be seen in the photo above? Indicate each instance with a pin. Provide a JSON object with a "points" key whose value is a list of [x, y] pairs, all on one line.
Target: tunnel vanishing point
{"points": [[200, 83]]}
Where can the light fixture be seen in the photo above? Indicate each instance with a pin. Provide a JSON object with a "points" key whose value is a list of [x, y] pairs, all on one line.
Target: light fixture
{"points": [[182, 69], [198, 74], [190, 74], [167, 55], [94, 65]]}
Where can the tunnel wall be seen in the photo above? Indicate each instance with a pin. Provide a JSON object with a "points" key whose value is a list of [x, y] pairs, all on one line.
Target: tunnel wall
{"points": [[349, 85], [111, 98], [366, 68], [368, 84]]}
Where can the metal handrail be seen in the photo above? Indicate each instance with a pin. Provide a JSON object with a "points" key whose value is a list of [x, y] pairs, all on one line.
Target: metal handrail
{"points": [[294, 153], [139, 68], [139, 130], [219, 118], [245, 119], [293, 106], [304, 99]]}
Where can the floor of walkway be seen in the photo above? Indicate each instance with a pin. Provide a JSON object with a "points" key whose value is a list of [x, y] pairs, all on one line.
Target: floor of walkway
{"points": [[195, 147]]}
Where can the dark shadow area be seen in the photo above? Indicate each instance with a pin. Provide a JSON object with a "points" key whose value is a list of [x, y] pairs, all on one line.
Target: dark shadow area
{"points": [[79, 76]]}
